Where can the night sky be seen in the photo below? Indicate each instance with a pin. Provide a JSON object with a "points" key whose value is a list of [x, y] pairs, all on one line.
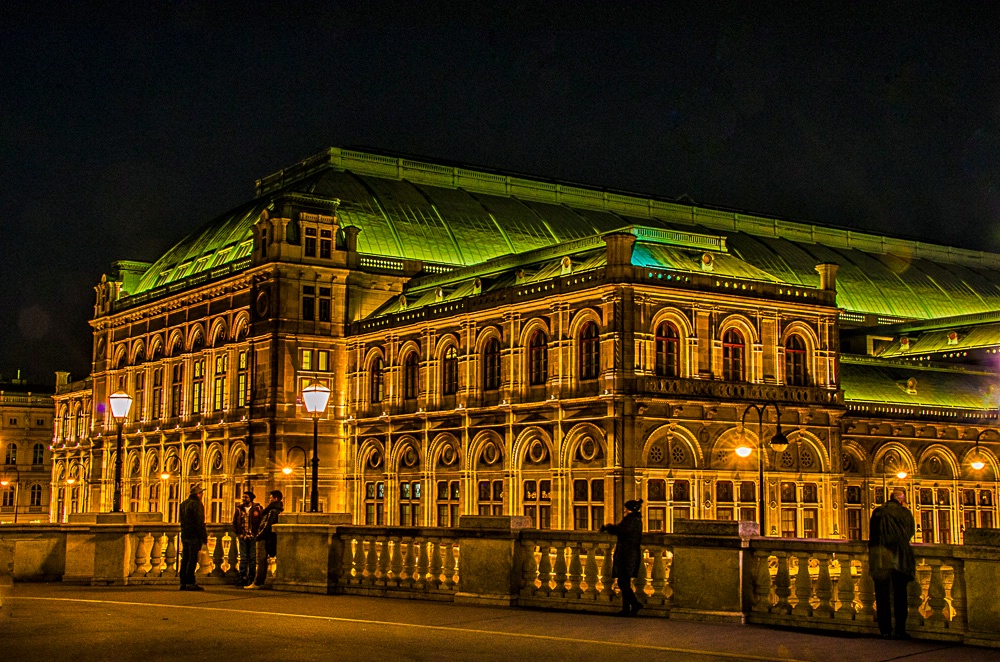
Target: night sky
{"points": [[120, 134]]}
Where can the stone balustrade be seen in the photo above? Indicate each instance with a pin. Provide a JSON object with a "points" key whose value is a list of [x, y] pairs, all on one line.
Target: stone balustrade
{"points": [[706, 570]]}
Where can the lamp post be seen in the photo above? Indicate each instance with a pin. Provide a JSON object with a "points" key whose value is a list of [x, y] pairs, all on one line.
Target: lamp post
{"points": [[315, 396], [779, 442], [120, 404], [287, 470], [5, 483], [901, 474], [978, 462]]}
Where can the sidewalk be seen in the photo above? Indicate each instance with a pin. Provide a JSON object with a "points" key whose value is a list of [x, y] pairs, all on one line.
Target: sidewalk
{"points": [[60, 622]]}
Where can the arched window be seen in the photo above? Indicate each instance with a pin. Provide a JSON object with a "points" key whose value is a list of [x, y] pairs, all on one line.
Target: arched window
{"points": [[590, 351], [377, 381], [38, 454], [11, 455], [538, 358], [668, 351], [795, 362], [411, 371], [491, 365], [35, 498], [733, 356], [449, 371]]}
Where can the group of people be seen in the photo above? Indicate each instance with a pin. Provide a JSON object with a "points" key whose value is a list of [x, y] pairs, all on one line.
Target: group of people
{"points": [[254, 529], [891, 561]]}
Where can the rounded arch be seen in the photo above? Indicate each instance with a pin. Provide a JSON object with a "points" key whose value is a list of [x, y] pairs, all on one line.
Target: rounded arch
{"points": [[137, 353], [195, 337], [133, 463], [900, 450], [676, 317], [370, 457], [220, 331], [524, 442], [583, 316], [723, 449], [575, 436], [660, 360], [406, 349], [666, 436], [120, 353], [480, 442], [241, 325], [175, 344], [742, 324], [439, 445], [156, 347], [806, 332], [237, 451], [947, 458], [59, 470], [192, 462], [854, 458], [373, 354], [216, 459], [444, 342], [406, 455], [172, 462], [151, 463], [485, 335], [532, 326], [806, 447]]}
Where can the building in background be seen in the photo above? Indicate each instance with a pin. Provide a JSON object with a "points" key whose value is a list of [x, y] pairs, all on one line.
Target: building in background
{"points": [[497, 344], [25, 435]]}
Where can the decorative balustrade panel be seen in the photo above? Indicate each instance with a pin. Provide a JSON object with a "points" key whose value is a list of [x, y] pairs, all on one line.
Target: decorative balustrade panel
{"points": [[156, 548], [382, 561], [828, 585], [573, 571]]}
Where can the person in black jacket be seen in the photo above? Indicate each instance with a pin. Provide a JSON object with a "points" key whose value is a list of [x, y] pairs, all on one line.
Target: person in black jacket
{"points": [[193, 536], [891, 562], [267, 539], [628, 555]]}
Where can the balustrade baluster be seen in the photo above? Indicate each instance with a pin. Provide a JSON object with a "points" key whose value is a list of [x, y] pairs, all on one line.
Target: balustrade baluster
{"points": [[382, 573], [803, 587], [170, 558], [607, 568], [232, 557], [957, 592], [141, 555], [420, 560], [529, 569], [915, 599], [156, 556], [451, 567], [371, 561], [218, 556], [782, 585], [762, 582], [824, 587], [845, 587], [352, 563], [544, 570], [575, 574], [205, 557], [939, 612], [590, 572], [409, 563], [866, 592], [395, 562], [639, 583], [560, 571], [659, 582], [436, 564]]}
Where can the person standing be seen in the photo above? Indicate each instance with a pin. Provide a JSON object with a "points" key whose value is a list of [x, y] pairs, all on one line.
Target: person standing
{"points": [[193, 536], [628, 555], [267, 539], [246, 525], [891, 562]]}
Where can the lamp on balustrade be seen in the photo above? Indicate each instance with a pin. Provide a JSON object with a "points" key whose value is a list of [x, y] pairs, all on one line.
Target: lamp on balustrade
{"points": [[779, 442], [121, 403], [315, 397], [287, 470]]}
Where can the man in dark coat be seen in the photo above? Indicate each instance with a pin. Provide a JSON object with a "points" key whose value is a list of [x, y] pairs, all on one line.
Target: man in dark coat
{"points": [[246, 526], [628, 555], [891, 562], [267, 539], [193, 536]]}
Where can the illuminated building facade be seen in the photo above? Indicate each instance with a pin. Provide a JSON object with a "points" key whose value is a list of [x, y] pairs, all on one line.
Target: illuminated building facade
{"points": [[25, 458], [504, 345]]}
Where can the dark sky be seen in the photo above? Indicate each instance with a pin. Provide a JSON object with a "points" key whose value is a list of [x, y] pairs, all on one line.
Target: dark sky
{"points": [[119, 133]]}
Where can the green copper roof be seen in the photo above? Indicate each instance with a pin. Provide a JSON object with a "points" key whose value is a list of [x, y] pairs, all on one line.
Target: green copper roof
{"points": [[459, 216], [889, 382]]}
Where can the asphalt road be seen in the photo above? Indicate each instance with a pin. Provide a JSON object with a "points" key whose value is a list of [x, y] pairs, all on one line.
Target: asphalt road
{"points": [[57, 622]]}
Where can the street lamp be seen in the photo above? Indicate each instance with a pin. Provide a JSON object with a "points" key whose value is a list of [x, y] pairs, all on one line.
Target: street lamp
{"points": [[315, 396], [120, 404], [287, 470], [978, 462], [5, 483], [901, 474], [779, 442]]}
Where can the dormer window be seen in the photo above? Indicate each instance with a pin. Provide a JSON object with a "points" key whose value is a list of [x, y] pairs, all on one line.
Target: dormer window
{"points": [[310, 244], [325, 242]]}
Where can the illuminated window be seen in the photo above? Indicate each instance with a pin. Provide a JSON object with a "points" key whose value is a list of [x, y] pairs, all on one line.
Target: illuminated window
{"points": [[538, 358], [219, 391], [243, 378], [491, 365], [411, 371], [447, 503], [377, 383], [449, 371], [138, 407], [795, 362], [733, 356], [197, 386], [409, 503], [323, 360], [590, 351], [176, 388], [538, 503], [156, 403], [374, 504], [307, 359], [490, 497], [308, 302], [667, 350], [588, 504]]}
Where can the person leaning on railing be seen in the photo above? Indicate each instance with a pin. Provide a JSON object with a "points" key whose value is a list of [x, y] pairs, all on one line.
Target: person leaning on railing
{"points": [[891, 562], [193, 536]]}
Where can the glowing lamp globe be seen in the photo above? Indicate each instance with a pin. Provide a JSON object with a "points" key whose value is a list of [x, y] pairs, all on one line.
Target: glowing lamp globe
{"points": [[779, 442], [287, 471], [4, 482], [164, 475], [978, 464], [315, 397], [743, 450], [120, 404], [901, 474]]}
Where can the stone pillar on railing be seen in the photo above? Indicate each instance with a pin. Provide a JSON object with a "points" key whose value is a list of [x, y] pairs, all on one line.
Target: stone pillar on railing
{"points": [[544, 569], [104, 550], [170, 556], [866, 593], [156, 555], [762, 582], [710, 570], [940, 613], [607, 578], [310, 551], [782, 585], [490, 566], [845, 588], [980, 579]]}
